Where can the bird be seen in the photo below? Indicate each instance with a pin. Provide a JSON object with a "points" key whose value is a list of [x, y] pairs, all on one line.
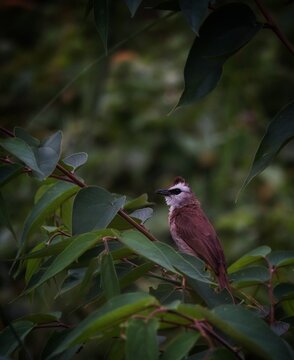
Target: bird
{"points": [[192, 231]]}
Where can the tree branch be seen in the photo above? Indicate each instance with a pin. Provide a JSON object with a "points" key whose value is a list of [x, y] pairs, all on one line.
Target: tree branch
{"points": [[274, 26]]}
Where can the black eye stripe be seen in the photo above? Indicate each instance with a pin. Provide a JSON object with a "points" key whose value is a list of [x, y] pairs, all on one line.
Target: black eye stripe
{"points": [[175, 191]]}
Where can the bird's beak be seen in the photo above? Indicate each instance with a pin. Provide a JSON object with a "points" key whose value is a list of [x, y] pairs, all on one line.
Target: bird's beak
{"points": [[164, 192]]}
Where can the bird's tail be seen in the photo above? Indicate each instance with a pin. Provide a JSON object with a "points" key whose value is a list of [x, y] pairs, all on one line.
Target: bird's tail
{"points": [[223, 282]]}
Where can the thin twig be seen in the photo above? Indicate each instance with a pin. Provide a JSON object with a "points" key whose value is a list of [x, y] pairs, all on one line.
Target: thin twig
{"points": [[274, 26], [271, 270]]}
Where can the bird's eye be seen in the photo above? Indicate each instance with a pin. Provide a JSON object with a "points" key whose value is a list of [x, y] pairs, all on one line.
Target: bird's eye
{"points": [[175, 191]]}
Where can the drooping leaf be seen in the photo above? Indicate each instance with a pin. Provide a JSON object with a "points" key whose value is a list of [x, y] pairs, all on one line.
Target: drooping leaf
{"points": [[249, 258], [73, 251], [249, 331], [194, 12], [22, 133], [280, 130], [4, 216], [101, 16], [76, 160], [281, 258], [10, 338], [112, 313], [223, 33], [133, 5], [284, 291], [141, 341], [180, 346], [142, 214], [138, 203], [53, 249], [51, 200], [250, 276], [32, 265], [8, 172], [42, 318], [94, 208], [109, 278]]}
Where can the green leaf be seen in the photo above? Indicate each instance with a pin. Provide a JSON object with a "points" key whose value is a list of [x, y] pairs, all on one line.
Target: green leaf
{"points": [[42, 318], [112, 313], [50, 201], [72, 252], [8, 172], [101, 16], [138, 203], [213, 354], [21, 133], [281, 258], [180, 346], [280, 130], [284, 291], [133, 5], [141, 339], [4, 216], [194, 12], [76, 160], [249, 331], [94, 208], [142, 214], [109, 278], [33, 265], [249, 258], [52, 249], [250, 276], [22, 151], [222, 34], [10, 339]]}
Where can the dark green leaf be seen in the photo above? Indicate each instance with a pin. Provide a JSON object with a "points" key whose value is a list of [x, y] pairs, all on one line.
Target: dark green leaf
{"points": [[213, 354], [223, 33], [51, 200], [138, 203], [76, 160], [250, 276], [171, 5], [94, 208], [8, 172], [249, 331], [101, 16], [73, 251], [10, 339], [42, 318], [194, 12], [112, 313], [167, 294], [284, 291], [33, 265], [54, 340], [52, 249], [4, 216], [142, 214], [249, 258], [133, 5], [180, 346], [26, 137], [109, 280], [141, 339], [135, 274], [280, 130], [280, 327], [281, 258]]}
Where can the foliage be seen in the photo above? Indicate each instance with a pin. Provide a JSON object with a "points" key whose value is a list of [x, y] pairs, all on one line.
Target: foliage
{"points": [[86, 252]]}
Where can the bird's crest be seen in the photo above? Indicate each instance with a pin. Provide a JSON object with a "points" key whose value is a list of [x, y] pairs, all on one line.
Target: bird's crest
{"points": [[178, 180]]}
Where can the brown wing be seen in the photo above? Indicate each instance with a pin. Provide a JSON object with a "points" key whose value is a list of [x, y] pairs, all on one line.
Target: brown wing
{"points": [[194, 227]]}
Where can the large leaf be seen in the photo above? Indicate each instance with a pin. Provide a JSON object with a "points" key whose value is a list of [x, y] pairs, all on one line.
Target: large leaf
{"points": [[11, 337], [101, 16], [71, 253], [109, 278], [249, 331], [194, 12], [133, 5], [280, 130], [94, 208], [281, 258], [138, 203], [8, 172], [249, 258], [141, 339], [180, 346], [112, 313], [250, 276], [51, 200], [223, 33]]}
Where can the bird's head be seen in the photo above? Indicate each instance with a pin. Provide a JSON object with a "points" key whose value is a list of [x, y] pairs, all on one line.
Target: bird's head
{"points": [[179, 194]]}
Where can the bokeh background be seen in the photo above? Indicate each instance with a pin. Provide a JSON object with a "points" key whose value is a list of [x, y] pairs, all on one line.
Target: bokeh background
{"points": [[118, 111]]}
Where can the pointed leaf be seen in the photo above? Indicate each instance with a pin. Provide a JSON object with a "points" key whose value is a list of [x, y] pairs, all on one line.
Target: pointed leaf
{"points": [[280, 130], [180, 346], [115, 311], [142, 214], [109, 278], [21, 133], [8, 172], [138, 203], [223, 33], [281, 258], [249, 258], [42, 318], [250, 276], [101, 16], [51, 200], [76, 160], [141, 339], [194, 12], [133, 5], [10, 337]]}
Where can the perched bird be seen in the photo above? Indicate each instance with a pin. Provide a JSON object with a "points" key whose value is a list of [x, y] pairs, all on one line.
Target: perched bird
{"points": [[191, 230]]}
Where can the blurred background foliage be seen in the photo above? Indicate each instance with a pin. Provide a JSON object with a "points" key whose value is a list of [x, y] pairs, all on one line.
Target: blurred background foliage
{"points": [[118, 112]]}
